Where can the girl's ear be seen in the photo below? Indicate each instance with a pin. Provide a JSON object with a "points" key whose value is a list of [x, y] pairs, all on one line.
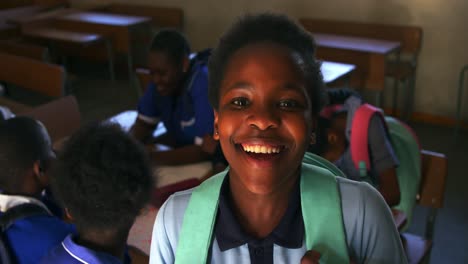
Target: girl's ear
{"points": [[216, 132], [67, 217]]}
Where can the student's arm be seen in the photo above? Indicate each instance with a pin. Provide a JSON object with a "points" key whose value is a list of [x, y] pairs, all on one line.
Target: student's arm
{"points": [[371, 234], [142, 130], [384, 162], [148, 116], [179, 156]]}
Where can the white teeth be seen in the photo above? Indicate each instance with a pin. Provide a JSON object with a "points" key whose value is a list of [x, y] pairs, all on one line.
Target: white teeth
{"points": [[261, 149]]}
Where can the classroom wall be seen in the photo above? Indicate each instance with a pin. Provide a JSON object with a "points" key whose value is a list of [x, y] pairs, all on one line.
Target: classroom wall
{"points": [[445, 43]]}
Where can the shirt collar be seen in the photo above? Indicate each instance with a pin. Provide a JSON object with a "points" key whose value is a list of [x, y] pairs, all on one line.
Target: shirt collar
{"points": [[86, 255], [9, 201], [229, 234]]}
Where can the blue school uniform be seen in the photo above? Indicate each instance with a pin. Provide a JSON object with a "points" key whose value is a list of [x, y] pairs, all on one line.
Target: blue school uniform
{"points": [[71, 253], [32, 237], [187, 116]]}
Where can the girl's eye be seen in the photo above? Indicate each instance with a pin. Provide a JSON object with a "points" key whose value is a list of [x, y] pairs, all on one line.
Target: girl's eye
{"points": [[289, 104], [240, 102]]}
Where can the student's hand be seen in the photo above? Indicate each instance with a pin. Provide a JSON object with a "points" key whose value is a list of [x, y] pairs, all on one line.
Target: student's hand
{"points": [[209, 144], [311, 257]]}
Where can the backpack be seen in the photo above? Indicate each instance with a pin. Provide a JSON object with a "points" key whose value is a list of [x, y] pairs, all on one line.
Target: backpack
{"points": [[320, 205], [405, 144], [7, 219]]}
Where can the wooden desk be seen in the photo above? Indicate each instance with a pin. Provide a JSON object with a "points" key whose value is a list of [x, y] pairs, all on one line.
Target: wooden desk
{"points": [[121, 29], [76, 38], [369, 56], [24, 11], [333, 71]]}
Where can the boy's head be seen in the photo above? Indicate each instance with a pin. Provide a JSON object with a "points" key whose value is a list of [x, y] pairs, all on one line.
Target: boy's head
{"points": [[102, 178], [169, 60], [272, 28], [25, 156]]}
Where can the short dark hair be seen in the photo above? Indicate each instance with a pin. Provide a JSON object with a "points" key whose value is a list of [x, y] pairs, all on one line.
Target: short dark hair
{"points": [[172, 43], [23, 141], [102, 177], [267, 27]]}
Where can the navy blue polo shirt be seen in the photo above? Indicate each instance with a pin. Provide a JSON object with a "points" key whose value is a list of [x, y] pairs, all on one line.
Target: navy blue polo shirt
{"points": [[71, 253], [288, 234], [186, 116]]}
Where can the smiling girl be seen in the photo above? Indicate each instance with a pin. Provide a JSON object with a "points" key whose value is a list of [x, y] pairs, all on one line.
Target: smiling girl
{"points": [[268, 207]]}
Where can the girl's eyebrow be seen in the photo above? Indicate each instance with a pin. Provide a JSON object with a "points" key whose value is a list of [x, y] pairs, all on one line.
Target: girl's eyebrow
{"points": [[240, 85]]}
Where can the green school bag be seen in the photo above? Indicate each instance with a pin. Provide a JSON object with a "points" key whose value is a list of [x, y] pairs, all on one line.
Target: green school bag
{"points": [[321, 210]]}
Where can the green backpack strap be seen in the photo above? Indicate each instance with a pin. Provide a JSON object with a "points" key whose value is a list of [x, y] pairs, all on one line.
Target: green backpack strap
{"points": [[321, 210], [313, 159], [322, 214], [199, 220], [407, 150]]}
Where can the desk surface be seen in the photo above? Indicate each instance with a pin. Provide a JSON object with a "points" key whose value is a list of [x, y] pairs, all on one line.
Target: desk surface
{"points": [[105, 19], [355, 43], [62, 35], [333, 71], [23, 11]]}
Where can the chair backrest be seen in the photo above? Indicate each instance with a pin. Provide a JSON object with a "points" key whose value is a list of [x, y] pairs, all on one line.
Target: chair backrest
{"points": [[410, 37], [161, 16], [144, 78], [23, 49], [33, 75], [61, 117], [434, 174]]}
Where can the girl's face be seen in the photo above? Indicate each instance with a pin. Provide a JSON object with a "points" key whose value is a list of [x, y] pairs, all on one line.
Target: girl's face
{"points": [[264, 117]]}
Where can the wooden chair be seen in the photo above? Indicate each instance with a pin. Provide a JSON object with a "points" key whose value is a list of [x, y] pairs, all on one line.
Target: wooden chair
{"points": [[44, 78], [14, 106], [431, 194], [61, 117], [402, 68], [24, 49]]}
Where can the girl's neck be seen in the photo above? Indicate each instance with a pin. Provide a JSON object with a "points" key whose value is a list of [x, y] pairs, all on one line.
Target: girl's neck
{"points": [[259, 214]]}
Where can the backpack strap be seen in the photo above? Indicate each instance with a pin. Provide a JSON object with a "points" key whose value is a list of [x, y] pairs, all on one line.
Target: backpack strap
{"points": [[359, 136], [321, 209], [19, 212]]}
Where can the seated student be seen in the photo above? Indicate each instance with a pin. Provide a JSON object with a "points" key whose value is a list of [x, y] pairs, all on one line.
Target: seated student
{"points": [[25, 157], [333, 144], [178, 98], [102, 179], [266, 90]]}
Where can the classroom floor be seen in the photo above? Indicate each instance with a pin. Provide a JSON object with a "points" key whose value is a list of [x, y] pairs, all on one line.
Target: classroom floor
{"points": [[100, 98]]}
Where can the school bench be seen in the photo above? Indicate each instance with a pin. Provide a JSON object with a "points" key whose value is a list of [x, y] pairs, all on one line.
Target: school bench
{"points": [[402, 68], [24, 49], [431, 195], [33, 75], [56, 36]]}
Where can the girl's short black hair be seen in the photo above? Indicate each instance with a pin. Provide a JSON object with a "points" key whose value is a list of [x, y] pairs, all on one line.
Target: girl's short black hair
{"points": [[172, 43], [267, 27], [103, 177]]}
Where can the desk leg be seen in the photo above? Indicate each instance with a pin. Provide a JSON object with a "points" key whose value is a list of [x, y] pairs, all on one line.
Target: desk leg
{"points": [[110, 56]]}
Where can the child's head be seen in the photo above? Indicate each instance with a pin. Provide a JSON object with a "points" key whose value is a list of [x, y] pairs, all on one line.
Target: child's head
{"points": [[168, 60], [266, 89], [102, 178], [25, 156]]}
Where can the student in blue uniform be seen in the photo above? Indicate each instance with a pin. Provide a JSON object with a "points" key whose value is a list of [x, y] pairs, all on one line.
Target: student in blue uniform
{"points": [[103, 180], [269, 207], [178, 98], [25, 158]]}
